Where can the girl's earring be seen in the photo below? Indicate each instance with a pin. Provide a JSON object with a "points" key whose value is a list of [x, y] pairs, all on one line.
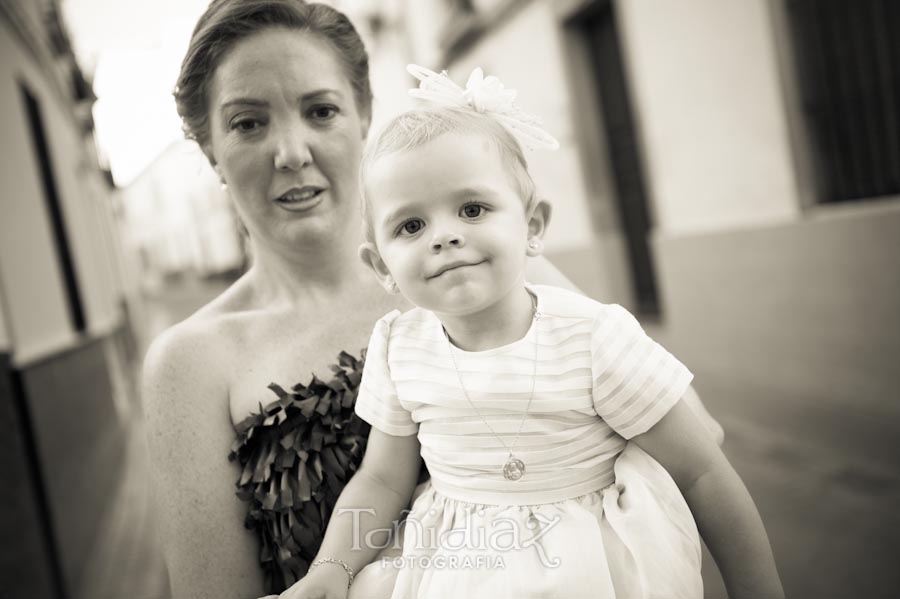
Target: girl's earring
{"points": [[224, 185], [535, 247], [391, 285]]}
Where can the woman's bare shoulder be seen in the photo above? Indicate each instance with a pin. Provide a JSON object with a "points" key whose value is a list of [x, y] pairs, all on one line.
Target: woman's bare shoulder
{"points": [[190, 358], [209, 328]]}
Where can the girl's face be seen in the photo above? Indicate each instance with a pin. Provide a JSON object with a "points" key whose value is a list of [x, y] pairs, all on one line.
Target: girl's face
{"points": [[286, 136], [450, 228]]}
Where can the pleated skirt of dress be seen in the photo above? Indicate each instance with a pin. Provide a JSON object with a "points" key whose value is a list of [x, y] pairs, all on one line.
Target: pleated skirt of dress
{"points": [[634, 539]]}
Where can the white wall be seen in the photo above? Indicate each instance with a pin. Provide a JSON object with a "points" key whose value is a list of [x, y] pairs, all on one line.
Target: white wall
{"points": [[32, 280], [705, 84], [423, 20], [81, 197], [5, 341], [30, 270], [176, 214]]}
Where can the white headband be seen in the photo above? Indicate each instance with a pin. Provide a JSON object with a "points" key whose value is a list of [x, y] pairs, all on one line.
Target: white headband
{"points": [[485, 95]]}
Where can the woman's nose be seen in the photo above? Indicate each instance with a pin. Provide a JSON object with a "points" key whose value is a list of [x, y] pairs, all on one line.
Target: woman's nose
{"points": [[292, 151], [445, 239]]}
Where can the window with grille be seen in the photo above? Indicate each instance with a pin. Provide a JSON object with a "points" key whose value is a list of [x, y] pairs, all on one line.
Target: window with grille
{"points": [[847, 56]]}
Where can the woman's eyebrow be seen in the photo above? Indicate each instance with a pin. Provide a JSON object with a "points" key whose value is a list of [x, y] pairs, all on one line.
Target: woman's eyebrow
{"points": [[321, 92], [243, 102], [246, 101]]}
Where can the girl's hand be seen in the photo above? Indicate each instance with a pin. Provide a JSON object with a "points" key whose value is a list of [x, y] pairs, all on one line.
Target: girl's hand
{"points": [[327, 581]]}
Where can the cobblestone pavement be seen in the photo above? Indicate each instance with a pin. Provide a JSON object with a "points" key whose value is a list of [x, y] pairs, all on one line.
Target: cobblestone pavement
{"points": [[829, 508]]}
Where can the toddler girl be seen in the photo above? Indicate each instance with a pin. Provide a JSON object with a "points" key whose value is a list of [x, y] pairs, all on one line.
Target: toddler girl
{"points": [[551, 425]]}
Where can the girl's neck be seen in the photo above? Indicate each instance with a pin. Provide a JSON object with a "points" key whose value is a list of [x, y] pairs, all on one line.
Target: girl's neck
{"points": [[505, 321]]}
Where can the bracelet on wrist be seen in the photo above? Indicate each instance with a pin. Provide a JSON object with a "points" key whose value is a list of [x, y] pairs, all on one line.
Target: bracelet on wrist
{"points": [[339, 562]]}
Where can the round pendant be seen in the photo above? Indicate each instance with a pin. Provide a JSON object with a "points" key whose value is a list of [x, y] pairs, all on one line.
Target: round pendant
{"points": [[513, 469]]}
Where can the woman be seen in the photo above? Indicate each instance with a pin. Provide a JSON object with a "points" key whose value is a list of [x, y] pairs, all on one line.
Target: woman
{"points": [[276, 93]]}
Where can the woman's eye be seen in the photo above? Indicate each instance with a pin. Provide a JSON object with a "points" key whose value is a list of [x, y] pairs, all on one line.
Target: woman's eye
{"points": [[245, 125], [411, 227], [323, 113], [472, 210]]}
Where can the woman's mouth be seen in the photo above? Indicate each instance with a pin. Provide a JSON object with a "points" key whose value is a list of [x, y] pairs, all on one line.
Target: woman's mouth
{"points": [[299, 199]]}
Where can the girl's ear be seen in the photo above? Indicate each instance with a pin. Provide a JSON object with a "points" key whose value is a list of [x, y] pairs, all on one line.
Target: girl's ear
{"points": [[538, 219], [368, 253]]}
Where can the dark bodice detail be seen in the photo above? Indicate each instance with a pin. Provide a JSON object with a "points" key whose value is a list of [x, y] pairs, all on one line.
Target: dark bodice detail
{"points": [[297, 454]]}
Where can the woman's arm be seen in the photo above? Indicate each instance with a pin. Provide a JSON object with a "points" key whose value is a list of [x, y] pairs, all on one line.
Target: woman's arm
{"points": [[726, 515], [373, 499], [207, 550]]}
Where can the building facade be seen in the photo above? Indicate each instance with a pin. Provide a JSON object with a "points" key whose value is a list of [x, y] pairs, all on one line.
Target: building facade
{"points": [[695, 183], [64, 339], [730, 172], [178, 220]]}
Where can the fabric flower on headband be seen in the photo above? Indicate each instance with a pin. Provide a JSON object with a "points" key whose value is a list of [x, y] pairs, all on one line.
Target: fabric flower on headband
{"points": [[486, 95]]}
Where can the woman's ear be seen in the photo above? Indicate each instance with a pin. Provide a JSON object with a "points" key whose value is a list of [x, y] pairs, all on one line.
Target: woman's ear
{"points": [[212, 162], [368, 253], [207, 151], [365, 123], [538, 219]]}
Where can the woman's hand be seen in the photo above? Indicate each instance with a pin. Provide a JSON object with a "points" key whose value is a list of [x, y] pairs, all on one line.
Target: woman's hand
{"points": [[326, 581]]}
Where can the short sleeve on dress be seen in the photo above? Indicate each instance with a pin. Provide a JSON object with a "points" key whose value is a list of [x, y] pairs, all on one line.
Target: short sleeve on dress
{"points": [[636, 381], [377, 402]]}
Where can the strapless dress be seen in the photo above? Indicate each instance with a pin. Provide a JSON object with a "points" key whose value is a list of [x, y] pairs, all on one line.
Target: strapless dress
{"points": [[297, 454]]}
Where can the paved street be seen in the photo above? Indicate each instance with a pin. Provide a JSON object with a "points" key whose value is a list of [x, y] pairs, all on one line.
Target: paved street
{"points": [[830, 511]]}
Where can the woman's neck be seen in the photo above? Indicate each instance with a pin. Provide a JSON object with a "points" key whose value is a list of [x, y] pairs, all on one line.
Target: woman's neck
{"points": [[505, 321], [306, 274]]}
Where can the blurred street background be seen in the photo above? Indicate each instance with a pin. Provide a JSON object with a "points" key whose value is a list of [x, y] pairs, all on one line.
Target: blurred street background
{"points": [[729, 171]]}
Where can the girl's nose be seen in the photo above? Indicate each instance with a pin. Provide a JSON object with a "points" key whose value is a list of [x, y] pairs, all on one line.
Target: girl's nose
{"points": [[292, 150], [446, 239]]}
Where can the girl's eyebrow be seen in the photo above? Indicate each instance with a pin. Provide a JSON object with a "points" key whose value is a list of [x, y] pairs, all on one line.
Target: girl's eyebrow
{"points": [[397, 213], [476, 190]]}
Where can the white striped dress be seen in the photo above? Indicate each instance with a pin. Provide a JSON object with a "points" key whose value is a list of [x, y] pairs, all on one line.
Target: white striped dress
{"points": [[615, 522]]}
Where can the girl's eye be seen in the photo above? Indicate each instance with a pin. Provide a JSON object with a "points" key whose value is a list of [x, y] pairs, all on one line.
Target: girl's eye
{"points": [[411, 227], [324, 112], [472, 210]]}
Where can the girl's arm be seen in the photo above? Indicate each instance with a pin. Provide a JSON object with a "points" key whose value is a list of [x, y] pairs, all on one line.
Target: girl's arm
{"points": [[726, 515], [372, 500]]}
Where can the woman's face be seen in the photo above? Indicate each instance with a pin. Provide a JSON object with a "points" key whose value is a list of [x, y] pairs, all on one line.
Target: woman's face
{"points": [[286, 136]]}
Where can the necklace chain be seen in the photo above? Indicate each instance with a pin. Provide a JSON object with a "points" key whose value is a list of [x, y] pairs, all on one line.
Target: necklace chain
{"points": [[514, 468]]}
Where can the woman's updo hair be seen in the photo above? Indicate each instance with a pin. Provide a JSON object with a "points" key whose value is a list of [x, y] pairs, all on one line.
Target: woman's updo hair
{"points": [[226, 22]]}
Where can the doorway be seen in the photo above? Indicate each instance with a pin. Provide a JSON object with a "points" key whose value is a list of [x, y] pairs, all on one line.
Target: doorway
{"points": [[596, 25]]}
